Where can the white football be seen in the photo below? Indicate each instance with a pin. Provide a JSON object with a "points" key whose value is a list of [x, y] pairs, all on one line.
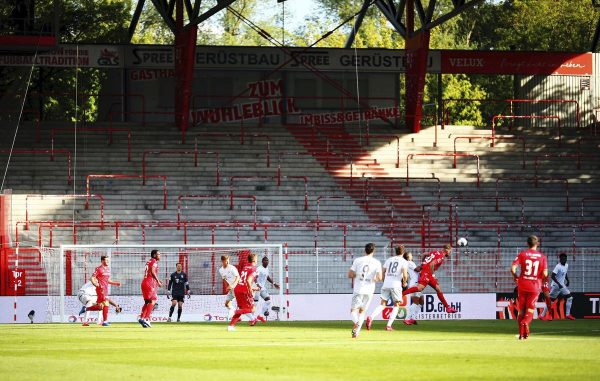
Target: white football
{"points": [[462, 242]]}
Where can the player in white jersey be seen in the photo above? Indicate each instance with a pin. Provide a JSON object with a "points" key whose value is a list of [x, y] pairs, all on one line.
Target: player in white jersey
{"points": [[88, 297], [559, 287], [262, 276], [231, 276], [365, 272], [416, 297], [395, 275]]}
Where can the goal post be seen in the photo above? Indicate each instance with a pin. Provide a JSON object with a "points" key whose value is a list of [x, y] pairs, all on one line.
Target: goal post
{"points": [[76, 264]]}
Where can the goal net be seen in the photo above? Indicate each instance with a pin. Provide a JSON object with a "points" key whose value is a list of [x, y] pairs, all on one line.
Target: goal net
{"points": [[69, 267]]}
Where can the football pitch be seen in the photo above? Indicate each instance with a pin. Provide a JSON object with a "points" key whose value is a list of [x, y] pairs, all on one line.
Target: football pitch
{"points": [[444, 350]]}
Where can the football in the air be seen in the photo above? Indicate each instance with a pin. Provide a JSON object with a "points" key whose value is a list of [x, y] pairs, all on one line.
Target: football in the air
{"points": [[462, 242]]}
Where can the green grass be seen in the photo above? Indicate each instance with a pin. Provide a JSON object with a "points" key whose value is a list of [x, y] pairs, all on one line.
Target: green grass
{"points": [[453, 350]]}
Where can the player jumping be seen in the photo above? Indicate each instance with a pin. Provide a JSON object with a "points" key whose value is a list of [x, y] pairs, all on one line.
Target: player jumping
{"points": [[150, 285], [87, 296], [430, 264]]}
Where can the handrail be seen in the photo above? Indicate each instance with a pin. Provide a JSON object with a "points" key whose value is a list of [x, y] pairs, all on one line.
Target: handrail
{"points": [[290, 153], [126, 176], [535, 180], [110, 131], [380, 179], [74, 196], [278, 180], [510, 102], [412, 155], [583, 200], [213, 196], [195, 152], [497, 198], [556, 117], [578, 155], [423, 224], [243, 136], [51, 152], [501, 137]]}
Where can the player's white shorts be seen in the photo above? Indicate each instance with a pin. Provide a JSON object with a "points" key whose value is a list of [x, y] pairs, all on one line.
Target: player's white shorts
{"points": [[229, 296], [555, 291], [263, 293], [391, 293], [361, 301], [87, 299]]}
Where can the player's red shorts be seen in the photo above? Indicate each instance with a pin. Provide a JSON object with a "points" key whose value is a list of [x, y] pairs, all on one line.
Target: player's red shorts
{"points": [[149, 289], [427, 278], [526, 300], [101, 294], [243, 299], [545, 287]]}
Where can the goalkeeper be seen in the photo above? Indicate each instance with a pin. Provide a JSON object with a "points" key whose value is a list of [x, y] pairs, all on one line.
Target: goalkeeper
{"points": [[178, 287]]}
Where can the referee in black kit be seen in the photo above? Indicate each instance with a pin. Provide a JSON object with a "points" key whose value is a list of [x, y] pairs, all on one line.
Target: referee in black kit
{"points": [[178, 287]]}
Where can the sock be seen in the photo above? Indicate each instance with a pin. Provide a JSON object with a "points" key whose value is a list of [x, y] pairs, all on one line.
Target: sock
{"points": [[95, 307], [143, 313], [393, 316], [266, 306], [442, 298], [544, 311], [171, 311], [527, 318], [235, 318], [413, 311], [179, 310], [86, 316], [230, 313], [105, 314], [361, 319], [354, 315], [99, 320], [568, 306], [377, 311], [410, 290]]}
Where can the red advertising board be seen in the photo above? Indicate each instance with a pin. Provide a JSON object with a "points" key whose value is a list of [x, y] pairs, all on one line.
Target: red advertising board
{"points": [[525, 63]]}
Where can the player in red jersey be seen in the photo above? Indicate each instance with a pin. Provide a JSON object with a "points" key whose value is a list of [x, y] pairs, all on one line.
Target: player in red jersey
{"points": [[101, 279], [150, 285], [244, 293], [534, 271], [430, 264]]}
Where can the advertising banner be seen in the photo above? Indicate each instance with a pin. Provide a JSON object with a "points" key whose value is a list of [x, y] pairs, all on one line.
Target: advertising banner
{"points": [[525, 63], [585, 306], [210, 308]]}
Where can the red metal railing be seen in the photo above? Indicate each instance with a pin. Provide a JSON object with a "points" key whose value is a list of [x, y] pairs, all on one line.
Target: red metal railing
{"points": [[195, 153], [280, 155], [65, 196], [209, 196], [583, 200], [243, 137], [109, 132], [558, 155], [390, 137], [535, 180], [426, 221], [126, 176], [412, 155], [446, 114], [496, 198], [501, 137], [278, 178], [50, 152], [555, 117]]}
